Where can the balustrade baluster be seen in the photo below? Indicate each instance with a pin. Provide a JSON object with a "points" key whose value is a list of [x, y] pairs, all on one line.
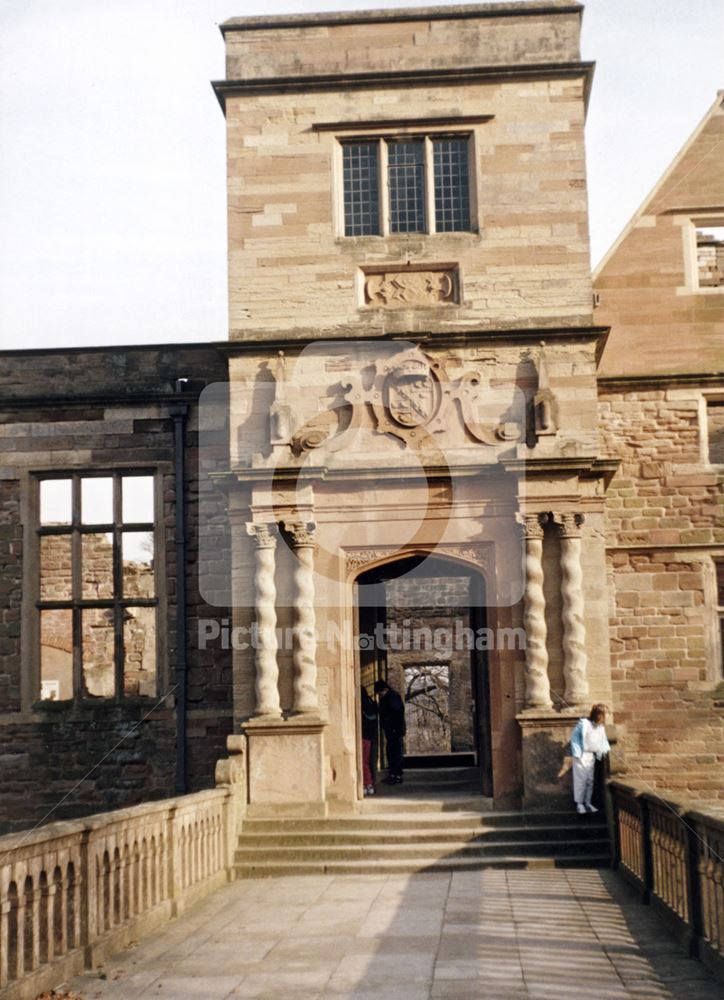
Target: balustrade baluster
{"points": [[44, 936], [15, 933], [125, 884], [56, 936], [4, 941]]}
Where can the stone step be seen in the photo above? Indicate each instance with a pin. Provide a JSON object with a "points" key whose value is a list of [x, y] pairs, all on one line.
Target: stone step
{"points": [[442, 776], [413, 852], [425, 802], [520, 861], [355, 837], [390, 820]]}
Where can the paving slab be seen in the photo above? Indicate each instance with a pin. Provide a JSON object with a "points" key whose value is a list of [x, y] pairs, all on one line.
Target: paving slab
{"points": [[515, 935]]}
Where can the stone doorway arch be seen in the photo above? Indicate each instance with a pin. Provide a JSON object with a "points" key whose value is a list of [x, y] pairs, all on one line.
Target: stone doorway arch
{"points": [[420, 617]]}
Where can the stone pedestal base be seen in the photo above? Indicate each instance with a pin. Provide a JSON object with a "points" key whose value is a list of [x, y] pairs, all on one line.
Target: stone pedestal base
{"points": [[286, 767], [546, 768]]}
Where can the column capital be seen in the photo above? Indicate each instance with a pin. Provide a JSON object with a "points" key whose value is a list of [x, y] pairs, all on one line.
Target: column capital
{"points": [[532, 524], [569, 523], [301, 533], [264, 535]]}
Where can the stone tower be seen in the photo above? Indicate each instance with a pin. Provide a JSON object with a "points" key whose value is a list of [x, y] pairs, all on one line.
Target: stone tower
{"points": [[412, 365]]}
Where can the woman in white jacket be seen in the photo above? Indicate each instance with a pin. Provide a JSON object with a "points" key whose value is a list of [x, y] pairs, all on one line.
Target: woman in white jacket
{"points": [[588, 744]]}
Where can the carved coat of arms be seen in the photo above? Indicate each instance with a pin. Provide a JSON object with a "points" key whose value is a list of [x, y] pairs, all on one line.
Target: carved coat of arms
{"points": [[410, 393]]}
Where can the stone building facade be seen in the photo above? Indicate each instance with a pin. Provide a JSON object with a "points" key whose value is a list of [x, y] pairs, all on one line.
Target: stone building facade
{"points": [[82, 730], [661, 392], [428, 418], [412, 364]]}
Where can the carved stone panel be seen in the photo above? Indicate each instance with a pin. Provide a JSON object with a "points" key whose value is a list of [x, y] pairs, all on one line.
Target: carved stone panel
{"points": [[407, 288], [477, 554]]}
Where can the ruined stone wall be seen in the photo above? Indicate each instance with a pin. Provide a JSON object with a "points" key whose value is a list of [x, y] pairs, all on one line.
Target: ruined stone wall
{"points": [[438, 607], [663, 536], [11, 581], [91, 411]]}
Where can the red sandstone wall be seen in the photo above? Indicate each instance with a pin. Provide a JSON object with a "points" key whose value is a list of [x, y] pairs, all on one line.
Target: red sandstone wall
{"points": [[663, 534]]}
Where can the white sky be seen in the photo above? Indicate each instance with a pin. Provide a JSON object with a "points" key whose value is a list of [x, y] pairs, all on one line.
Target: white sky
{"points": [[112, 169]]}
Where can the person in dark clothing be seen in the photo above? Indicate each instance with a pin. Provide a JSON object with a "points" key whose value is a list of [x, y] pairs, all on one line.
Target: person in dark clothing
{"points": [[370, 715], [392, 717]]}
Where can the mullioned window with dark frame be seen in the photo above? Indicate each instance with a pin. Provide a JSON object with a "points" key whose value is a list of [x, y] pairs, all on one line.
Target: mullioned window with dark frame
{"points": [[407, 184], [97, 591]]}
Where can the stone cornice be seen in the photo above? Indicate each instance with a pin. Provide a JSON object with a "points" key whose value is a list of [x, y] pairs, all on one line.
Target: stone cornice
{"points": [[666, 381], [457, 12], [429, 339], [438, 77], [589, 467]]}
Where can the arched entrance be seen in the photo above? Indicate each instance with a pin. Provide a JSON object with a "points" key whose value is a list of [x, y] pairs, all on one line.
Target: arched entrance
{"points": [[418, 619]]}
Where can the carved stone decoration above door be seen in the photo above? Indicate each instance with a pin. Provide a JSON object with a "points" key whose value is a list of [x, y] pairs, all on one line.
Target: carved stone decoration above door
{"points": [[412, 394], [411, 397], [477, 554], [408, 394], [410, 287]]}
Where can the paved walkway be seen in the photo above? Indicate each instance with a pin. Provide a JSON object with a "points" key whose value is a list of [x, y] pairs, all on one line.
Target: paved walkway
{"points": [[493, 934]]}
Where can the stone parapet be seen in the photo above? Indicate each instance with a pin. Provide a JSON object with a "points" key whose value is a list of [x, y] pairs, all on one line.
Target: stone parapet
{"points": [[73, 893]]}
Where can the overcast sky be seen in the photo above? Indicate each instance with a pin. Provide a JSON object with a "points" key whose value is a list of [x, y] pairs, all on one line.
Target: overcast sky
{"points": [[112, 172]]}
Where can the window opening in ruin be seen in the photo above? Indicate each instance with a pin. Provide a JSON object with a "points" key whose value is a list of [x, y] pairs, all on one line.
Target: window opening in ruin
{"points": [[710, 256], [715, 430], [410, 184], [427, 700], [97, 586]]}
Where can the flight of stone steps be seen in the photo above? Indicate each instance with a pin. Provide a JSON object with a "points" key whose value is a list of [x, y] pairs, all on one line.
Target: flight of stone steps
{"points": [[427, 825]]}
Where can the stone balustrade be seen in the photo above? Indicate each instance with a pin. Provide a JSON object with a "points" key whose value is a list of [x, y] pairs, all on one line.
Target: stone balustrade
{"points": [[674, 856], [72, 893]]}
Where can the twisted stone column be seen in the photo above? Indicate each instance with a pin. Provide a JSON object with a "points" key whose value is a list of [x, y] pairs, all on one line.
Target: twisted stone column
{"points": [[304, 655], [537, 684], [574, 629], [266, 684]]}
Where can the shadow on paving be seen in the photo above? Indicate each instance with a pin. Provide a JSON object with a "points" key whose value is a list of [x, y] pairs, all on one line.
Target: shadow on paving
{"points": [[495, 934]]}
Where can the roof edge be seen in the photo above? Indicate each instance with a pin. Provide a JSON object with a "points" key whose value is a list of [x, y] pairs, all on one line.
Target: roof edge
{"points": [[169, 345], [436, 13], [641, 210]]}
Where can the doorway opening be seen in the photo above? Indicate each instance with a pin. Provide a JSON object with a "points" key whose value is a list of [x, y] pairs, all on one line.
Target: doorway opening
{"points": [[418, 621]]}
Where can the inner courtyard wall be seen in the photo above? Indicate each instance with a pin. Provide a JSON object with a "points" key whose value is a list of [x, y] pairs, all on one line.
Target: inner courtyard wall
{"points": [[664, 531]]}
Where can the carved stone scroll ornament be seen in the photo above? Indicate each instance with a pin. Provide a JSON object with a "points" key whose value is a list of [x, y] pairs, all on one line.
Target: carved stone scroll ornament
{"points": [[404, 289], [304, 655], [332, 428], [574, 630], [411, 397], [266, 684], [537, 683], [469, 392]]}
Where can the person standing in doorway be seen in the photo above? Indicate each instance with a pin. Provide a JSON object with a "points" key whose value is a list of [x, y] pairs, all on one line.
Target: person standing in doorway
{"points": [[392, 717], [370, 715], [588, 744]]}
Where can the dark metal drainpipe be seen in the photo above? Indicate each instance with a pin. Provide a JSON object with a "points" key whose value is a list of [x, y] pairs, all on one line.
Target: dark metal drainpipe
{"points": [[179, 412]]}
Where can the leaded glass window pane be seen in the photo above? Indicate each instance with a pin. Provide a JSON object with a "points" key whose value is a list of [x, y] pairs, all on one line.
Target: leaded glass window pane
{"points": [[361, 189], [406, 172], [452, 185]]}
